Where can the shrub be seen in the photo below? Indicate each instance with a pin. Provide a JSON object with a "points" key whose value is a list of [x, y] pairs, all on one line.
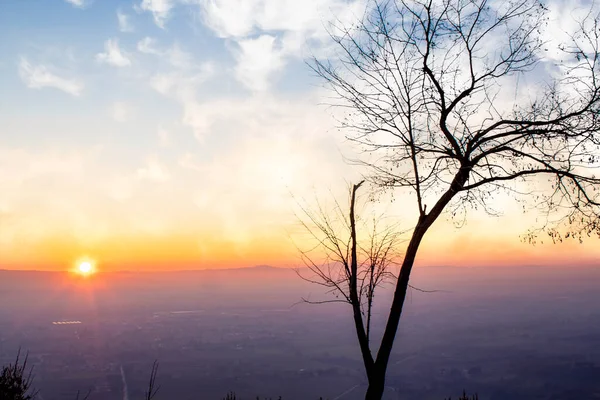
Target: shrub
{"points": [[465, 397], [16, 382]]}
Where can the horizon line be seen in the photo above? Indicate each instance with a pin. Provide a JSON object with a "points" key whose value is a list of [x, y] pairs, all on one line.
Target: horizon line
{"points": [[265, 266]]}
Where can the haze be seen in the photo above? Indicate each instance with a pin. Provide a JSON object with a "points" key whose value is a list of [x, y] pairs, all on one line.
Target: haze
{"points": [[531, 334]]}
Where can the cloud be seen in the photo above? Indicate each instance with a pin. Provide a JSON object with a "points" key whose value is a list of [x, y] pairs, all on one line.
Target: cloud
{"points": [[241, 18], [563, 22], [179, 85], [163, 83], [269, 32], [77, 3], [174, 55], [124, 22], [38, 77], [122, 111], [179, 58], [275, 144], [112, 54], [153, 171], [230, 18], [181, 81], [260, 114], [257, 59], [148, 46], [266, 32], [160, 9]]}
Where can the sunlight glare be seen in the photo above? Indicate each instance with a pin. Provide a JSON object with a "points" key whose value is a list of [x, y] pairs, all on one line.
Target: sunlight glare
{"points": [[85, 268]]}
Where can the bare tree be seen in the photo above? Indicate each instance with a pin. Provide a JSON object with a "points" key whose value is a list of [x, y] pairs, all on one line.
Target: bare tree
{"points": [[453, 101], [351, 258]]}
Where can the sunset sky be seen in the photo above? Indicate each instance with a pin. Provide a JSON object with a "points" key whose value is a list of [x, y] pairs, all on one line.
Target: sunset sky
{"points": [[176, 134]]}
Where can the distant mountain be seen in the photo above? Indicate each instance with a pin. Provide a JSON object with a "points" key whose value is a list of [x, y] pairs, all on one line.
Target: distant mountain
{"points": [[264, 267]]}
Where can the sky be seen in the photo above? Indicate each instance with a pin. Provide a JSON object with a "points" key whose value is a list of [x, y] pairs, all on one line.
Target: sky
{"points": [[179, 134]]}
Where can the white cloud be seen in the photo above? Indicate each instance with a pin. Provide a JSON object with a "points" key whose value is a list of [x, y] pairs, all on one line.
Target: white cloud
{"points": [[563, 22], [148, 46], [112, 54], [77, 3], [160, 9], [124, 22], [163, 83], [260, 114], [257, 60], [240, 18], [268, 32], [230, 17], [201, 117], [39, 76], [174, 55], [153, 171], [182, 82], [122, 111], [179, 58]]}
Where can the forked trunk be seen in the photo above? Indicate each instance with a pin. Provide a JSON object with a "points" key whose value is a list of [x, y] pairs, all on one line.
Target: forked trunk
{"points": [[376, 385], [377, 375]]}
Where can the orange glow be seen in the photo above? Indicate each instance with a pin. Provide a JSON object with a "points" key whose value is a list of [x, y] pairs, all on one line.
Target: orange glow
{"points": [[154, 252], [195, 250]]}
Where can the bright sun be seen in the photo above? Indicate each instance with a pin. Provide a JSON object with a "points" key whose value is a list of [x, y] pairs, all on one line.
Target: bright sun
{"points": [[85, 268]]}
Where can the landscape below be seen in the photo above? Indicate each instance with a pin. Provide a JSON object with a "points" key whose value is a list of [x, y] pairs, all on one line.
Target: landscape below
{"points": [[510, 333]]}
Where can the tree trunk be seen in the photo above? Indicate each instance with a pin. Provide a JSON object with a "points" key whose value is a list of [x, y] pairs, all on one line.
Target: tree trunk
{"points": [[377, 377], [376, 385], [363, 339]]}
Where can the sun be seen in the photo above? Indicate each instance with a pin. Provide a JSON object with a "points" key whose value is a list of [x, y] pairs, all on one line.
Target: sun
{"points": [[85, 267]]}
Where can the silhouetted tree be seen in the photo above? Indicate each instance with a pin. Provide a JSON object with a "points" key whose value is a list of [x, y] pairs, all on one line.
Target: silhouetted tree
{"points": [[16, 381], [350, 265], [430, 90]]}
